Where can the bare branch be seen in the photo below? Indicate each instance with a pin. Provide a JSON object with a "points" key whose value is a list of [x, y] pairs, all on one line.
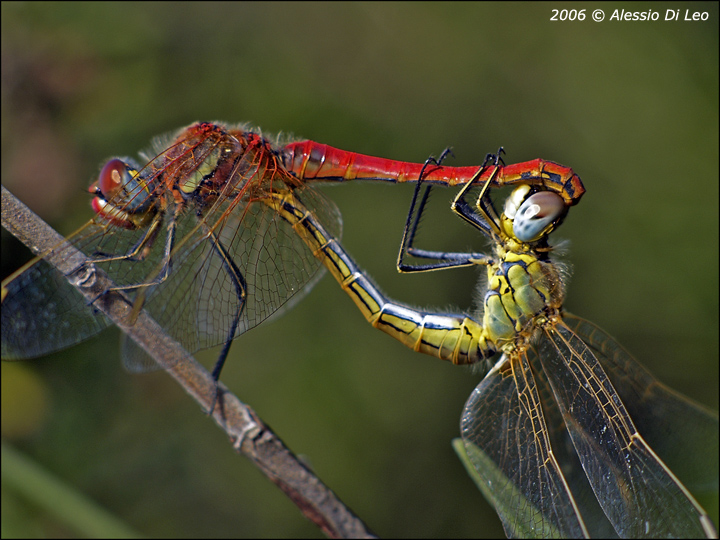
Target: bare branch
{"points": [[246, 431]]}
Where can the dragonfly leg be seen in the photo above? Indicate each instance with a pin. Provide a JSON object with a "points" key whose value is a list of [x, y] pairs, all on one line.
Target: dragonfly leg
{"points": [[495, 159], [488, 221], [462, 208], [240, 285], [141, 248], [406, 244], [162, 274], [448, 259]]}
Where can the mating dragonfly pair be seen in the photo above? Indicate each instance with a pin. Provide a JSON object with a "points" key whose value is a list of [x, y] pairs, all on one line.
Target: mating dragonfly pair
{"points": [[566, 434]]}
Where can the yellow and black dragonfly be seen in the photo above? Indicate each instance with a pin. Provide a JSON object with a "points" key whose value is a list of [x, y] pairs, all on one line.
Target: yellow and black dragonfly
{"points": [[566, 434]]}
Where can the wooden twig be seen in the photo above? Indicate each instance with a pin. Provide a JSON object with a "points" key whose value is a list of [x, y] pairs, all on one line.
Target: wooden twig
{"points": [[247, 432]]}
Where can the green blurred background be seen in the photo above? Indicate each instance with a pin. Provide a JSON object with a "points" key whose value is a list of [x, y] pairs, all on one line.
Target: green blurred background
{"points": [[632, 107]]}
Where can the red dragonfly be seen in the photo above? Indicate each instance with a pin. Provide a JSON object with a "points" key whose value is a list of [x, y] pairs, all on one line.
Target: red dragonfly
{"points": [[188, 237]]}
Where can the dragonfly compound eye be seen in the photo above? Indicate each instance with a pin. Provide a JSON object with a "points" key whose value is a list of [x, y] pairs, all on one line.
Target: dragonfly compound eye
{"points": [[122, 196], [113, 176], [537, 215]]}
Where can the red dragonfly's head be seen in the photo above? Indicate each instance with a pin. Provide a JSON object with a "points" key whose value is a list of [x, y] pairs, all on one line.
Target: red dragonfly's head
{"points": [[122, 196]]}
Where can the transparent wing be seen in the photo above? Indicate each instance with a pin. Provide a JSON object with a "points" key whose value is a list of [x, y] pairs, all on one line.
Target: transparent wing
{"points": [[200, 299], [41, 312], [637, 492], [507, 439], [683, 433], [198, 302]]}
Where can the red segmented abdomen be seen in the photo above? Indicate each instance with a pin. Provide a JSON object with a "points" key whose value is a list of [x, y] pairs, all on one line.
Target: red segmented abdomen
{"points": [[309, 160]]}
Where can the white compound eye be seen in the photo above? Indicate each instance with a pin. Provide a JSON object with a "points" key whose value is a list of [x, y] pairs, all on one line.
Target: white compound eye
{"points": [[536, 215]]}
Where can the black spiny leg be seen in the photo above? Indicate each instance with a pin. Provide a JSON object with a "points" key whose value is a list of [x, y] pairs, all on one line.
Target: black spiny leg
{"points": [[483, 216], [448, 259], [238, 282]]}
